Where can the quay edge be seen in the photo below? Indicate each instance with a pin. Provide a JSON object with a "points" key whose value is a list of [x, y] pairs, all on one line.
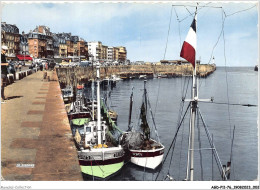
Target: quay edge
{"points": [[36, 139]]}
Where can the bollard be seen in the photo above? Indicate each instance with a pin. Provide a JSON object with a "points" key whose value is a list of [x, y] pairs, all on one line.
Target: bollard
{"points": [[17, 76], [10, 78]]}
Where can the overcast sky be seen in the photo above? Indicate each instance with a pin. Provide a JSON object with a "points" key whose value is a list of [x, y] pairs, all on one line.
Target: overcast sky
{"points": [[143, 27]]}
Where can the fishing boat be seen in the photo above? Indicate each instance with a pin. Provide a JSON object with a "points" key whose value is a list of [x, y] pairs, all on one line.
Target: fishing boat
{"points": [[105, 81], [78, 109], [142, 76], [99, 153], [142, 149], [67, 94], [115, 78]]}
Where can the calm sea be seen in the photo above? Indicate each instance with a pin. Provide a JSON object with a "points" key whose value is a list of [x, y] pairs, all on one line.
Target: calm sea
{"points": [[225, 85]]}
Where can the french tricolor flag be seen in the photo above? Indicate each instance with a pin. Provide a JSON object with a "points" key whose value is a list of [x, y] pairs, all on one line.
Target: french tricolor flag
{"points": [[188, 50]]}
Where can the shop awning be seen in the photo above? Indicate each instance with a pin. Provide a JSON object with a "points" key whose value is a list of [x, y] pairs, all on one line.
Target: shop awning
{"points": [[24, 57]]}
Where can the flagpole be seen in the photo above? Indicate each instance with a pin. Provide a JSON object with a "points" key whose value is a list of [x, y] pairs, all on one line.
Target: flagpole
{"points": [[188, 52], [193, 118]]}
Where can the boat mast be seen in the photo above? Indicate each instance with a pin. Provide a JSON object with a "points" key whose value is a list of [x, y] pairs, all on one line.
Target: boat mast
{"points": [[130, 110], [192, 122], [92, 89], [98, 105], [194, 99], [145, 96]]}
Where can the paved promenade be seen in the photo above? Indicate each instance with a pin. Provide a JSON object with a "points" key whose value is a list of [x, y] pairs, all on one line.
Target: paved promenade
{"points": [[36, 141]]}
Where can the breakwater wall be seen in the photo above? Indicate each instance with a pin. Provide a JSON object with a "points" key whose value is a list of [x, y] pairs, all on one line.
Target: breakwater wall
{"points": [[80, 75]]}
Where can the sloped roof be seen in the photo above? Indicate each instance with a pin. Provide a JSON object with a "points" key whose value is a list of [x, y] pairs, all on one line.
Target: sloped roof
{"points": [[9, 28]]}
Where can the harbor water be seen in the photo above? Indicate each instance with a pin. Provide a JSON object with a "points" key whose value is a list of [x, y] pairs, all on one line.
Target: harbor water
{"points": [[225, 85]]}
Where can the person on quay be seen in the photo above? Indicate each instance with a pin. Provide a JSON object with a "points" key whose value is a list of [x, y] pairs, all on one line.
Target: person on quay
{"points": [[4, 72]]}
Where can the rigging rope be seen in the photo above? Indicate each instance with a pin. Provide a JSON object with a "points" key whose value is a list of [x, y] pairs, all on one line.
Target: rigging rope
{"points": [[169, 28], [222, 30], [163, 58], [174, 139], [194, 12], [218, 161], [178, 25], [150, 108], [201, 162], [225, 60], [241, 11], [248, 105], [231, 155]]}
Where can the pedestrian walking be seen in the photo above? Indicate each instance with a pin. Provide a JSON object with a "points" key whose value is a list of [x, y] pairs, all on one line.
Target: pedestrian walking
{"points": [[46, 66], [4, 72]]}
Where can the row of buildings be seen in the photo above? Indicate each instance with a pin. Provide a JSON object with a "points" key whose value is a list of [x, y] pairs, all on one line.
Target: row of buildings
{"points": [[42, 43]]}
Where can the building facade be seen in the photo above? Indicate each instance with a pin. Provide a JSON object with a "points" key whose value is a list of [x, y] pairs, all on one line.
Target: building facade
{"points": [[37, 43], [82, 50], [42, 43], [94, 50], [122, 54], [11, 38], [24, 49], [103, 55], [115, 53], [110, 53], [56, 53], [44, 30]]}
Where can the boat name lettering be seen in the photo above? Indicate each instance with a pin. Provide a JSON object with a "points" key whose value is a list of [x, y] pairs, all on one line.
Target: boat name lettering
{"points": [[85, 157], [137, 154]]}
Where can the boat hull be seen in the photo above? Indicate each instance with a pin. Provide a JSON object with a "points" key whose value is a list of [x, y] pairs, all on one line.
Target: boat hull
{"points": [[79, 115], [101, 163], [147, 158], [102, 171]]}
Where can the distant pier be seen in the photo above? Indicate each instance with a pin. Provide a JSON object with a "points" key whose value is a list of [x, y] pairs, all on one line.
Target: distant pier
{"points": [[80, 75]]}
